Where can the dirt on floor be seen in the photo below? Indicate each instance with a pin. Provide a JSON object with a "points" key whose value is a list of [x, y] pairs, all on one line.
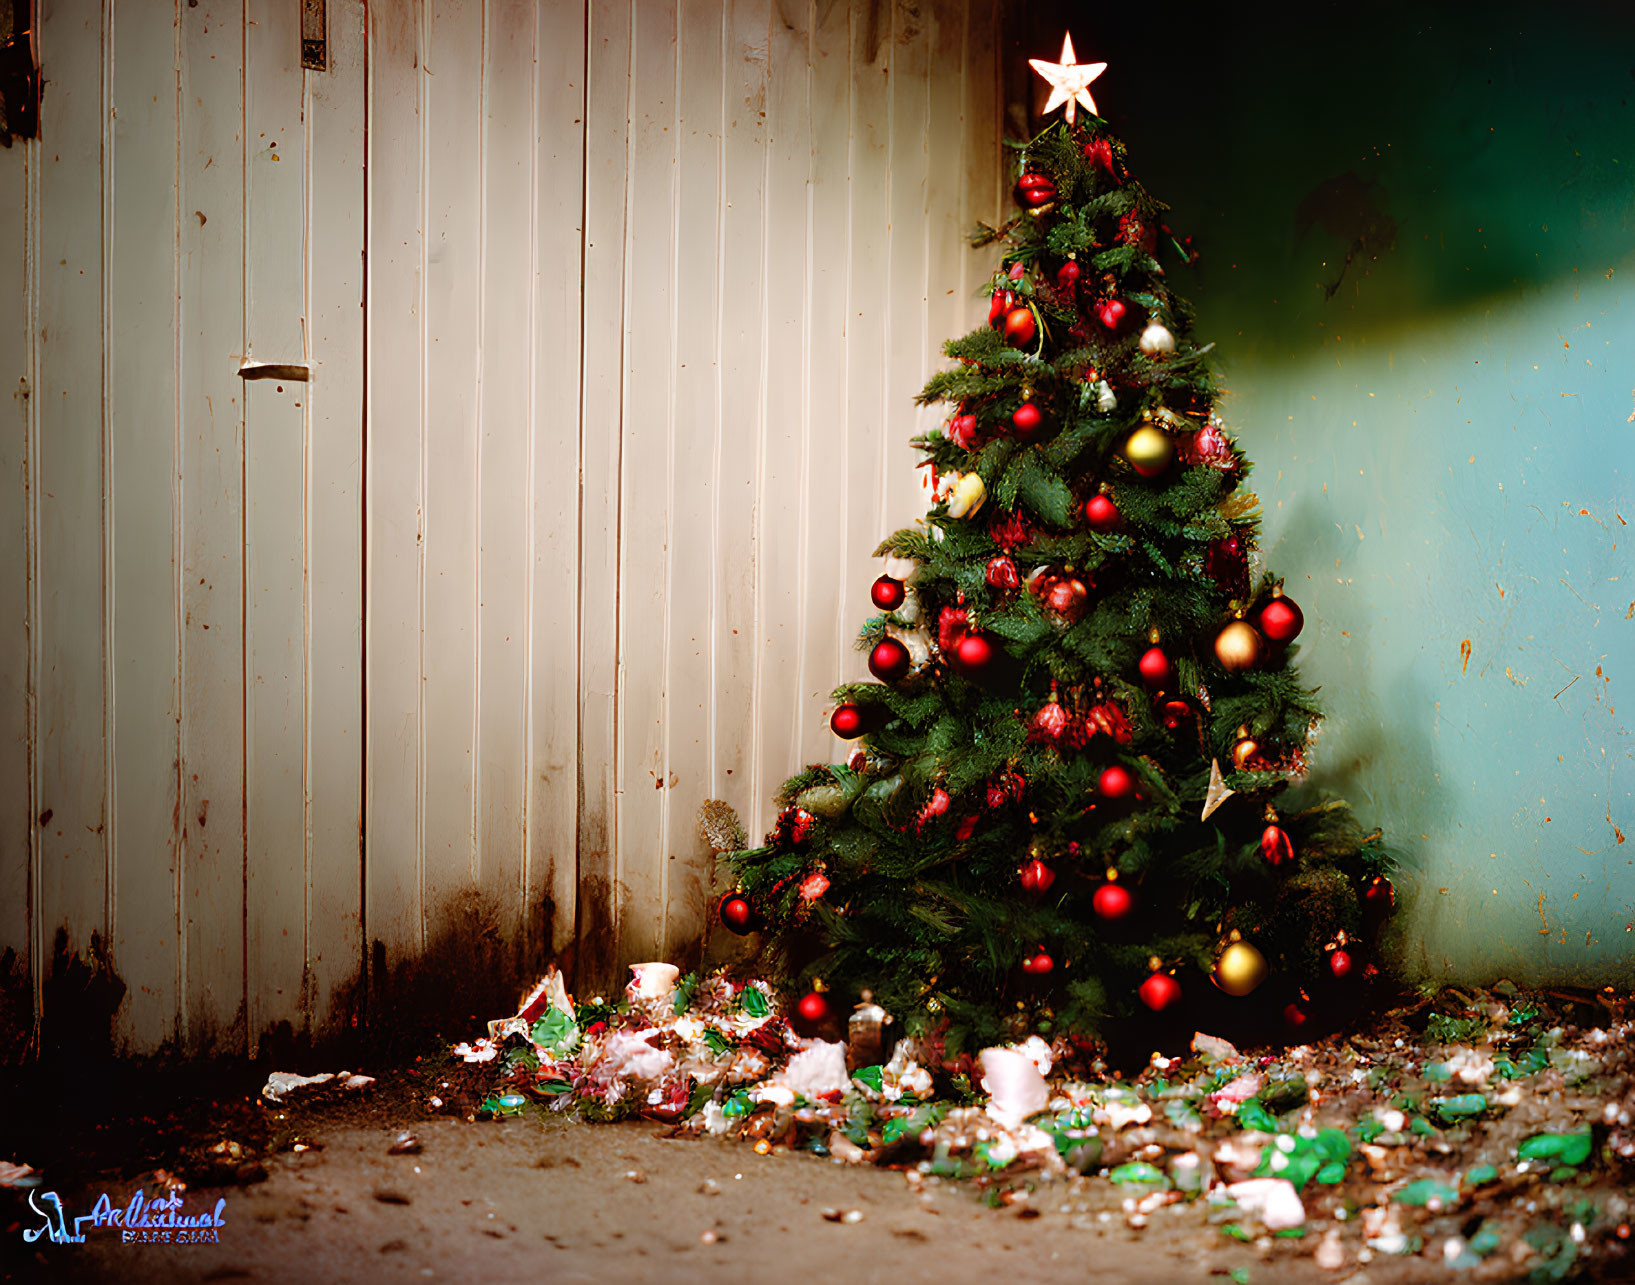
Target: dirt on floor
{"points": [[331, 1189]]}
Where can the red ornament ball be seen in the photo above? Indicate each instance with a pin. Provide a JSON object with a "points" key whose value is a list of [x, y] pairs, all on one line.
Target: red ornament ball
{"points": [[1067, 276], [1173, 713], [1115, 782], [1027, 419], [1111, 312], [1280, 620], [1046, 726], [1034, 189], [1001, 573], [1066, 595], [1156, 671], [973, 655], [1101, 513], [1021, 329], [848, 722], [1037, 877], [1339, 963], [1294, 1016], [737, 915], [887, 593], [1039, 963], [812, 1008], [962, 431], [1160, 991], [1275, 845], [1001, 303], [889, 661], [1112, 902]]}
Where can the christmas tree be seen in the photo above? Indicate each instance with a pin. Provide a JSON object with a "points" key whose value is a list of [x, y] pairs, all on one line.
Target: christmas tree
{"points": [[1062, 807]]}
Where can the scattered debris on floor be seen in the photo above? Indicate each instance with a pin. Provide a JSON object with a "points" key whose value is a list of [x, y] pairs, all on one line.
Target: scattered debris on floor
{"points": [[286, 1086], [1493, 1132]]}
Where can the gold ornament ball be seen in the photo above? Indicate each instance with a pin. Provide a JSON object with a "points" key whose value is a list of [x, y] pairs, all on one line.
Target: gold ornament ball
{"points": [[1240, 968], [1149, 450], [1238, 646], [1244, 750]]}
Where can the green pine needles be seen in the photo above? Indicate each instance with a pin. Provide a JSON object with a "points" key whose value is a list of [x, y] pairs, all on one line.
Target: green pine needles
{"points": [[1069, 692]]}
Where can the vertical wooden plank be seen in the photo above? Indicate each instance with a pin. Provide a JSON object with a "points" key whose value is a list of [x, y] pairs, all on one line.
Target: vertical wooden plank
{"points": [[144, 837], [212, 409], [275, 414], [394, 908], [607, 109], [983, 168], [869, 415], [787, 710], [452, 101], [691, 696], [909, 221], [826, 496], [16, 507], [503, 431], [743, 407], [553, 547], [71, 773], [644, 524], [334, 488], [948, 313]]}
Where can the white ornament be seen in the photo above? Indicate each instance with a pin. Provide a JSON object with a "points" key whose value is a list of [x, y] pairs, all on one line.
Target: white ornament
{"points": [[1015, 1088], [1156, 339], [966, 496], [1105, 401], [909, 612], [1068, 80], [653, 981], [900, 568], [817, 1069], [919, 647], [1274, 1199]]}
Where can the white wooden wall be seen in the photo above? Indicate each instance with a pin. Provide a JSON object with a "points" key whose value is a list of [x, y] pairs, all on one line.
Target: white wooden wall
{"points": [[652, 286], [570, 529], [180, 549]]}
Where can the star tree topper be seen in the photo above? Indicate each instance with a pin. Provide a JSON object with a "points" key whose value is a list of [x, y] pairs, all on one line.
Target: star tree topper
{"points": [[1068, 79]]}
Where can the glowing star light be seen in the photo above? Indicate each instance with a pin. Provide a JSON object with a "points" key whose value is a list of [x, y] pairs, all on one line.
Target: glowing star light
{"points": [[1068, 79]]}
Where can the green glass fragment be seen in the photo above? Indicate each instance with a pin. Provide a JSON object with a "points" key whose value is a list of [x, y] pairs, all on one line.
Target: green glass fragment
{"points": [[1422, 1191], [1237, 1233], [872, 1076], [1139, 1173], [1252, 1115], [1563, 1148], [555, 1032], [1460, 1106], [753, 1002], [1481, 1174], [1421, 1127]]}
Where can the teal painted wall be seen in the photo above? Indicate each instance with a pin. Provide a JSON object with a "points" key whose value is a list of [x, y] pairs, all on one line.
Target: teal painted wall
{"points": [[1444, 445]]}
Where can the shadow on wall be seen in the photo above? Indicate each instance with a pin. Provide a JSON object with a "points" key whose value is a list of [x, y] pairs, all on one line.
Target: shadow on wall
{"points": [[469, 974], [1385, 766]]}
